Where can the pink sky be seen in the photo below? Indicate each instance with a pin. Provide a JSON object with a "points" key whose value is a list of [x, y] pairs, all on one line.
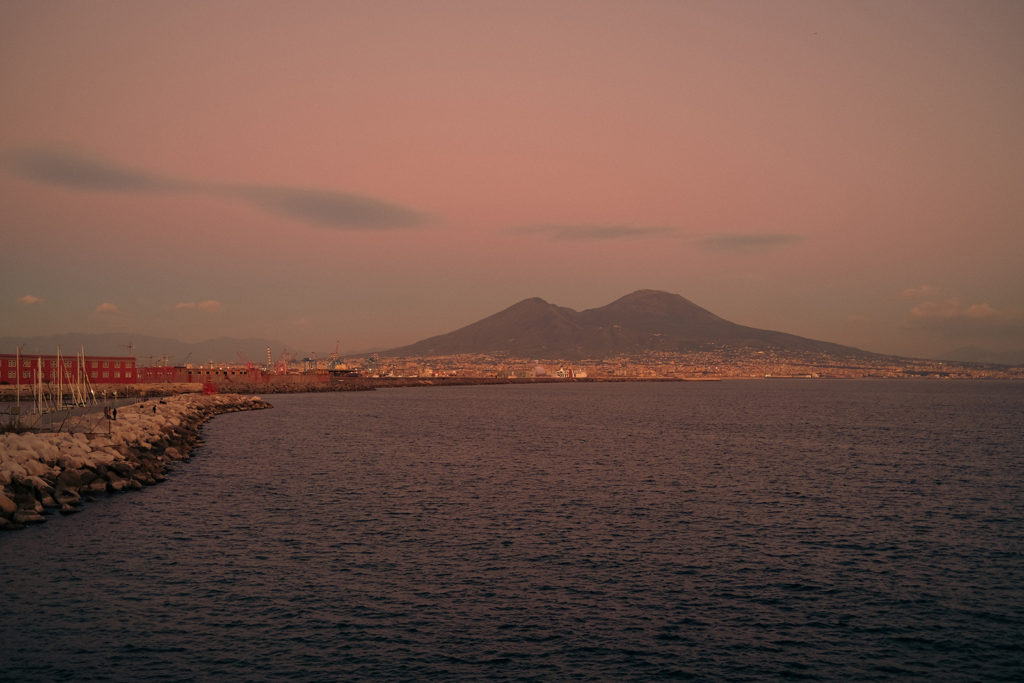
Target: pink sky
{"points": [[379, 172]]}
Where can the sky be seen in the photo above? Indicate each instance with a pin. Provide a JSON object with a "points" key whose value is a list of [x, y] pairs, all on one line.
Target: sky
{"points": [[374, 173]]}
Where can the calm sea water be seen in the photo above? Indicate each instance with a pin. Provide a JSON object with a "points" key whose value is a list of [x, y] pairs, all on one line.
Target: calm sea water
{"points": [[736, 530]]}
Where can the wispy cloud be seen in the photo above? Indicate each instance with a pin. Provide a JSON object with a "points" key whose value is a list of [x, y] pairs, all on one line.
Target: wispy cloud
{"points": [[740, 242], [594, 232], [324, 208], [208, 306], [954, 314], [920, 292], [330, 209], [53, 167], [106, 307], [29, 300], [859, 319]]}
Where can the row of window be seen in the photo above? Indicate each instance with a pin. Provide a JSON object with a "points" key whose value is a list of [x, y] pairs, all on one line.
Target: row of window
{"points": [[95, 374], [69, 363]]}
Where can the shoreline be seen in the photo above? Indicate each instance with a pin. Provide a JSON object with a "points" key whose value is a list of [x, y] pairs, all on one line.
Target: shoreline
{"points": [[8, 393], [45, 472], [374, 383]]}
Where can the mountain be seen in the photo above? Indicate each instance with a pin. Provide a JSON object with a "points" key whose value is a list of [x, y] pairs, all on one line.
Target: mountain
{"points": [[640, 322], [148, 350], [973, 354]]}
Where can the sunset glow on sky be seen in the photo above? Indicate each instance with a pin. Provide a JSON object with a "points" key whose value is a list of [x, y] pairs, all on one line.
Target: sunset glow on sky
{"points": [[380, 172]]}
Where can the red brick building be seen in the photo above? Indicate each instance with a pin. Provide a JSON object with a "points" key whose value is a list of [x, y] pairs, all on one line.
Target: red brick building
{"points": [[99, 369]]}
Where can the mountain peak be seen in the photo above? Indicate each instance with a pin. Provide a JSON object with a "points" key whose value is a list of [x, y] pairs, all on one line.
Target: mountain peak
{"points": [[532, 302], [650, 294], [652, 297]]}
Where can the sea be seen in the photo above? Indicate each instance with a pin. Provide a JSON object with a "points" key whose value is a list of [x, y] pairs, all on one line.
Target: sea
{"points": [[735, 530]]}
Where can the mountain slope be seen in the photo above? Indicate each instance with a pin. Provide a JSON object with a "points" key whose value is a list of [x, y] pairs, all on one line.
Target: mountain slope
{"points": [[640, 322]]}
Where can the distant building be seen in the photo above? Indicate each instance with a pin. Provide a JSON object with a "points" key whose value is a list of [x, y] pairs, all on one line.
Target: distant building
{"points": [[98, 369]]}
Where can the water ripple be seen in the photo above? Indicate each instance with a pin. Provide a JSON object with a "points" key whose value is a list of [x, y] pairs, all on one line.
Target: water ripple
{"points": [[740, 531]]}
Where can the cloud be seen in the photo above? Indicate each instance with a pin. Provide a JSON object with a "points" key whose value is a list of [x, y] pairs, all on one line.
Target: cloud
{"points": [[323, 208], [953, 314], [747, 242], [593, 232], [29, 300], [331, 209], [209, 306], [106, 307], [68, 169], [921, 292], [726, 242]]}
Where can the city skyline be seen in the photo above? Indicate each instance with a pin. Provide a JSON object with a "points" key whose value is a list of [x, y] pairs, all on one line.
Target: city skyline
{"points": [[382, 173]]}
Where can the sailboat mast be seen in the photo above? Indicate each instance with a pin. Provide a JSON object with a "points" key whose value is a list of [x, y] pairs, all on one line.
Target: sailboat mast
{"points": [[60, 384]]}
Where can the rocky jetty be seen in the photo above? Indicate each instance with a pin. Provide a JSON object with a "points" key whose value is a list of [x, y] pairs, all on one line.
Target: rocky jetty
{"points": [[45, 472]]}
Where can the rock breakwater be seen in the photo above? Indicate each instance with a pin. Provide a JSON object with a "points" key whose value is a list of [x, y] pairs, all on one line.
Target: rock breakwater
{"points": [[45, 472]]}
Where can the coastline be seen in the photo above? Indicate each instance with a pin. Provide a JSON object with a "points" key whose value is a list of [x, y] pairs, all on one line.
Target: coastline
{"points": [[373, 383], [45, 472]]}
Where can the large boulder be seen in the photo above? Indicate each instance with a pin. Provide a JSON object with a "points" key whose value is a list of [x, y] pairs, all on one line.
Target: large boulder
{"points": [[27, 517], [75, 479], [7, 506], [66, 496], [116, 481], [94, 487]]}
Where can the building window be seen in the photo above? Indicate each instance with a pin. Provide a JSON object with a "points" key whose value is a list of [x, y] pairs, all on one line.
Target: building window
{"points": [[117, 375], [26, 363], [95, 363], [106, 374], [12, 374], [94, 374], [106, 364]]}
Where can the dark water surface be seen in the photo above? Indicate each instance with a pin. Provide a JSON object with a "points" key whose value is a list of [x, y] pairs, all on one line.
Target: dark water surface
{"points": [[736, 530]]}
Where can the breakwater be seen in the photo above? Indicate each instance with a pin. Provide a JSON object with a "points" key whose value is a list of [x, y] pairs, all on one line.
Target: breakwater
{"points": [[45, 472]]}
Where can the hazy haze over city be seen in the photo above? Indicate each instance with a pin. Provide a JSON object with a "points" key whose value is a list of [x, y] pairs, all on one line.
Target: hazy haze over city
{"points": [[381, 172]]}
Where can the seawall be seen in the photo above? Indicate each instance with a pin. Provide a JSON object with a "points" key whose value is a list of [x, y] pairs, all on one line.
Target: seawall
{"points": [[47, 472]]}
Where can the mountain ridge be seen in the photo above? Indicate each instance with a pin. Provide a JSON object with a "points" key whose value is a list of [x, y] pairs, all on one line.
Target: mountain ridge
{"points": [[643, 321]]}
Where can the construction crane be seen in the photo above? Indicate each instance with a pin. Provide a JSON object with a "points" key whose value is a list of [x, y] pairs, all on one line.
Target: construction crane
{"points": [[283, 360]]}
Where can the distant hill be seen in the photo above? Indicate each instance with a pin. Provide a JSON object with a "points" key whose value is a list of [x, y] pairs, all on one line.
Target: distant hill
{"points": [[149, 350], [640, 322], [973, 354]]}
